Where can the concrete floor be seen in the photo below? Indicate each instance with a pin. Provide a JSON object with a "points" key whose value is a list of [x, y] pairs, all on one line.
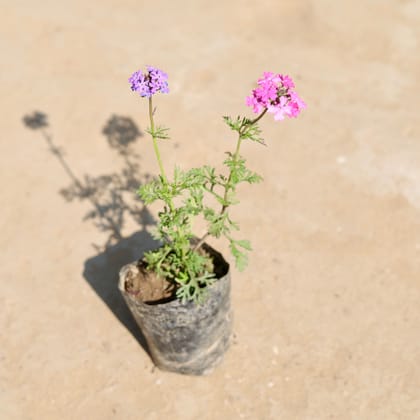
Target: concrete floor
{"points": [[327, 315]]}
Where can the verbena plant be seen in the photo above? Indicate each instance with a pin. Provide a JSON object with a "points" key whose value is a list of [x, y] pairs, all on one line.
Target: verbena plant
{"points": [[185, 195]]}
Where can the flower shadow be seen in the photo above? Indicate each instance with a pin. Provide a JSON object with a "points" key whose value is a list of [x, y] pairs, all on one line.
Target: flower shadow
{"points": [[113, 203]]}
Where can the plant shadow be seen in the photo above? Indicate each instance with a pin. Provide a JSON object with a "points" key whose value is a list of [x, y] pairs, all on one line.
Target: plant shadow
{"points": [[112, 203]]}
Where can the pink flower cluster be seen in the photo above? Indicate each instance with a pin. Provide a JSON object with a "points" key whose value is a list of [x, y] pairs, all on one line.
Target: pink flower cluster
{"points": [[275, 93]]}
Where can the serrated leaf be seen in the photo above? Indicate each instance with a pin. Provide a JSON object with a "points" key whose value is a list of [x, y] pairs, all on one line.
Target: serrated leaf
{"points": [[241, 259], [243, 243], [233, 124], [162, 133]]}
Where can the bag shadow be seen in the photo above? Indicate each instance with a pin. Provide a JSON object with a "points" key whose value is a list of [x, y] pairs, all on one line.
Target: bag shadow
{"points": [[101, 272]]}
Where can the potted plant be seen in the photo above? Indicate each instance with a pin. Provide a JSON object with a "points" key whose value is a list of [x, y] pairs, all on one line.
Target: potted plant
{"points": [[179, 293]]}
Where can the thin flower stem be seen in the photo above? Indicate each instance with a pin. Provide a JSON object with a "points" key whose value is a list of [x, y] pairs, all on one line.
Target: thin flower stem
{"points": [[157, 153], [155, 145], [227, 185], [252, 122]]}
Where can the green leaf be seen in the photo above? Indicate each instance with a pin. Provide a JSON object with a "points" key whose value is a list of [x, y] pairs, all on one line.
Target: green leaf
{"points": [[233, 124], [160, 133], [241, 259], [244, 244]]}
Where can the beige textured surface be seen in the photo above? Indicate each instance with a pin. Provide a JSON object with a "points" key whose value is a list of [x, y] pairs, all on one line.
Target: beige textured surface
{"points": [[327, 316]]}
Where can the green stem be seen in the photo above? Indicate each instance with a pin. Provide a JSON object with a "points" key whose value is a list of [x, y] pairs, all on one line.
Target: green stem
{"points": [[155, 145], [236, 154], [157, 153], [227, 186]]}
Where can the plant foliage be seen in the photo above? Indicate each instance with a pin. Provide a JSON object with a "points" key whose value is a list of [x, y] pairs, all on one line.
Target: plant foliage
{"points": [[181, 259]]}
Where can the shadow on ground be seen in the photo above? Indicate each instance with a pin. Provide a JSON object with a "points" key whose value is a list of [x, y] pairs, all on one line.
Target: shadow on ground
{"points": [[101, 272], [113, 201]]}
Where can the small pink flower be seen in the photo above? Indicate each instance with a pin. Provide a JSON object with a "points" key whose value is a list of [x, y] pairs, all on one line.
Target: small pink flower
{"points": [[275, 93], [287, 81]]}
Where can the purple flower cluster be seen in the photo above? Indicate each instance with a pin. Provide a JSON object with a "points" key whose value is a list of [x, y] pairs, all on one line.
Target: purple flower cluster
{"points": [[275, 93], [147, 84]]}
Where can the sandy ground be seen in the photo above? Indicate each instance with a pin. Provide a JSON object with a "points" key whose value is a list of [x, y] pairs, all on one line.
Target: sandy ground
{"points": [[327, 316]]}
